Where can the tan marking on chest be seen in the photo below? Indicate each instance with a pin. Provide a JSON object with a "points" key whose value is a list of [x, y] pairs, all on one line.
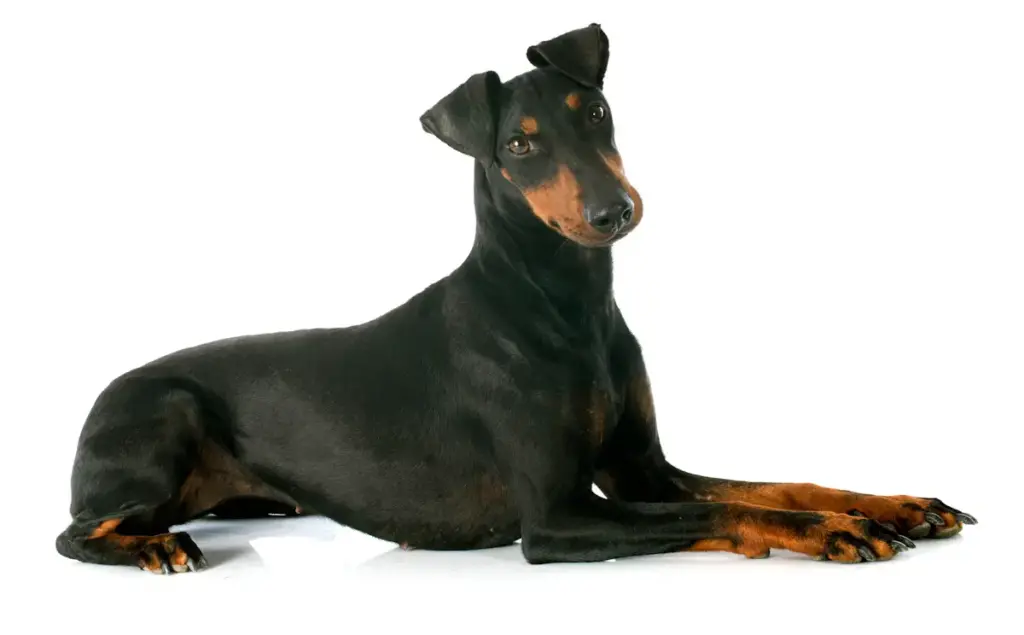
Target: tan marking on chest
{"points": [[597, 418]]}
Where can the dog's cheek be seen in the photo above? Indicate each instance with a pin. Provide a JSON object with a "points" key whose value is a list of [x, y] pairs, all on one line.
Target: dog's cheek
{"points": [[537, 199]]}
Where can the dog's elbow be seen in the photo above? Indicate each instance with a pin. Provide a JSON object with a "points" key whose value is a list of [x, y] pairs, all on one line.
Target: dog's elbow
{"points": [[536, 555]]}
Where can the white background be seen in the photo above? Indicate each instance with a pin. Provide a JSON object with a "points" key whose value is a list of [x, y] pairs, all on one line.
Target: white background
{"points": [[827, 283]]}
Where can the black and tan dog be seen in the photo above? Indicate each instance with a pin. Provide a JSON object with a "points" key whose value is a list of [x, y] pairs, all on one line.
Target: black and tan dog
{"points": [[481, 411]]}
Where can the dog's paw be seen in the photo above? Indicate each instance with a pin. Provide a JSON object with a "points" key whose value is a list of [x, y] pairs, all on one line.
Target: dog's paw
{"points": [[170, 553], [851, 539], [915, 517], [820, 535]]}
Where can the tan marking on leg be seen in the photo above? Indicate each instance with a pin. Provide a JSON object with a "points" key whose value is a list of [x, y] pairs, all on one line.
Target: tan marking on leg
{"points": [[130, 543], [724, 544], [179, 559], [903, 512], [105, 527], [151, 562], [752, 532]]}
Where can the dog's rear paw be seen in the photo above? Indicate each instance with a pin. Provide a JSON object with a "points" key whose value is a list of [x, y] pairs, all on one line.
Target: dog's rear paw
{"points": [[915, 517], [171, 553]]}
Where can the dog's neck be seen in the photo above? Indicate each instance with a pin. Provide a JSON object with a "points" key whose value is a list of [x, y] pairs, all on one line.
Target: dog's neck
{"points": [[527, 261]]}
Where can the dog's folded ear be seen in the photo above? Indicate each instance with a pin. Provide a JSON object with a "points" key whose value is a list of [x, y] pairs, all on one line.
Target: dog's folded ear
{"points": [[581, 54], [466, 118]]}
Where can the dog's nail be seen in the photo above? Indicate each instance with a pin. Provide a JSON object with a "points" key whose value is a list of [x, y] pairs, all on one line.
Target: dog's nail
{"points": [[921, 531], [191, 564], [898, 546], [866, 554], [889, 526], [966, 519], [934, 519], [165, 568]]}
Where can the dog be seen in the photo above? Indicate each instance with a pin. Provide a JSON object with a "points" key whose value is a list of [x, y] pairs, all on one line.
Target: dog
{"points": [[480, 412]]}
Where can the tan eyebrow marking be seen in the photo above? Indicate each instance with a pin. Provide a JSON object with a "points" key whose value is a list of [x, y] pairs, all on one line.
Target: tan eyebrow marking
{"points": [[572, 100], [529, 125]]}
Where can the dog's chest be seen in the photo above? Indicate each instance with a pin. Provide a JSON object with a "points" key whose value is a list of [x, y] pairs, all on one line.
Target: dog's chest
{"points": [[591, 408], [576, 389], [600, 417], [592, 402]]}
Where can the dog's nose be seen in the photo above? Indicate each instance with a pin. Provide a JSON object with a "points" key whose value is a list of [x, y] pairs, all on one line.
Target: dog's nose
{"points": [[625, 212], [610, 218]]}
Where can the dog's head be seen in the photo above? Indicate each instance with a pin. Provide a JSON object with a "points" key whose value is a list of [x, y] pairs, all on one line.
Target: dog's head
{"points": [[549, 134]]}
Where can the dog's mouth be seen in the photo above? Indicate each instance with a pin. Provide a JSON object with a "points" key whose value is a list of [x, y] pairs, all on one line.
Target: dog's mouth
{"points": [[605, 242]]}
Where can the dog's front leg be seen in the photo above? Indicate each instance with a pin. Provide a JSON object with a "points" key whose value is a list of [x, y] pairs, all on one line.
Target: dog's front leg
{"points": [[548, 468], [914, 516], [634, 468], [592, 529], [653, 478]]}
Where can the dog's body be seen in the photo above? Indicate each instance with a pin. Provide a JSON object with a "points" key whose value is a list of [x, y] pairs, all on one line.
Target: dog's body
{"points": [[479, 412]]}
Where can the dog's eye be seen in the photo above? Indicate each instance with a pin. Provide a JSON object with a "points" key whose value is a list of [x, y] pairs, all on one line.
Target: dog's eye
{"points": [[596, 113], [519, 145]]}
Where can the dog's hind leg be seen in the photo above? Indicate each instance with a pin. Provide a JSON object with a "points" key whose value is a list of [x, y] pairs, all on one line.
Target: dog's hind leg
{"points": [[138, 446], [159, 553]]}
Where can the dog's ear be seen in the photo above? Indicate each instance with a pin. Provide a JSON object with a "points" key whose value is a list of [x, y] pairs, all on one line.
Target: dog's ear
{"points": [[581, 54], [466, 118]]}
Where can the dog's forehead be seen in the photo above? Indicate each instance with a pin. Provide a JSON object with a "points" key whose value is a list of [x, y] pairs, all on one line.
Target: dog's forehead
{"points": [[541, 94]]}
